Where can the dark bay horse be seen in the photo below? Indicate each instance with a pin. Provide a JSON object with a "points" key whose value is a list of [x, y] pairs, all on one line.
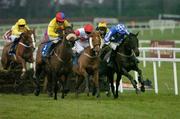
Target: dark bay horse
{"points": [[88, 63], [125, 61], [24, 52], [58, 66]]}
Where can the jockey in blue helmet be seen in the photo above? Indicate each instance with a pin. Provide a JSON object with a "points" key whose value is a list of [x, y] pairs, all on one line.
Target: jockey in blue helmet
{"points": [[116, 34], [114, 37]]}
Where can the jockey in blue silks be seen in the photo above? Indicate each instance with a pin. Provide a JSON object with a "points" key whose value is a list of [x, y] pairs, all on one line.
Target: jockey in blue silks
{"points": [[114, 37]]}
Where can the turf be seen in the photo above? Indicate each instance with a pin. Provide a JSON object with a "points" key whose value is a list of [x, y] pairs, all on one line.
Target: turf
{"points": [[129, 106]]}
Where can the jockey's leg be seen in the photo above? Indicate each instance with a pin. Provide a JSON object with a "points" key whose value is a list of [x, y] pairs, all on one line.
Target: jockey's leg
{"points": [[111, 62], [46, 49], [75, 58], [77, 49], [15, 40]]}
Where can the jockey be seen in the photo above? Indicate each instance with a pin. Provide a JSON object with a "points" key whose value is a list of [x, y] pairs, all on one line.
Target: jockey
{"points": [[114, 37], [83, 42], [102, 28], [55, 32], [20, 27]]}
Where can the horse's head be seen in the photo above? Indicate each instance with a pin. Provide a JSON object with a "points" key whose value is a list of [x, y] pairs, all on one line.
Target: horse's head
{"points": [[69, 39], [95, 42], [27, 39], [132, 43]]}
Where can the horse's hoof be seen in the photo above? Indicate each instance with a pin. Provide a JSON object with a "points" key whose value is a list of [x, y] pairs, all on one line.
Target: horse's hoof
{"points": [[115, 96], [137, 91], [62, 96], [36, 92], [66, 91], [108, 94], [97, 96], [142, 89], [50, 94]]}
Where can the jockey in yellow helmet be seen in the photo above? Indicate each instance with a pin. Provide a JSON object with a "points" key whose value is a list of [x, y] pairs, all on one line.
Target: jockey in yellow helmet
{"points": [[102, 28], [55, 32], [16, 30]]}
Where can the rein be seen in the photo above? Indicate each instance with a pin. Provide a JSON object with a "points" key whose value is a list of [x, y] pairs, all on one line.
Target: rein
{"points": [[86, 54], [27, 46], [122, 54], [58, 57]]}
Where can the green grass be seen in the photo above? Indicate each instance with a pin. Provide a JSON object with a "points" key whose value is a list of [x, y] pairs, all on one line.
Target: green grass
{"points": [[128, 106], [158, 35]]}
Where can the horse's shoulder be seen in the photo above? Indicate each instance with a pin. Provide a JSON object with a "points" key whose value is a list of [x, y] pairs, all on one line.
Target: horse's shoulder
{"points": [[7, 44]]}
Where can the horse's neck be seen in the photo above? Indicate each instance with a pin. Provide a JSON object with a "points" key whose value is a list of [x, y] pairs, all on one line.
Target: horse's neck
{"points": [[89, 51], [124, 48], [63, 50]]}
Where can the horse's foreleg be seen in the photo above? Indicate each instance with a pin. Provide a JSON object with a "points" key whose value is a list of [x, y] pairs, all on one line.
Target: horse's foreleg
{"points": [[79, 81], [133, 82], [96, 82], [23, 62], [117, 85], [87, 77], [140, 79], [111, 80], [54, 77]]}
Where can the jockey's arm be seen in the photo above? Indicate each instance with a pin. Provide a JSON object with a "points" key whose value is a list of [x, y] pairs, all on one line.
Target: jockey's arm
{"points": [[66, 23], [15, 30], [51, 31], [109, 35]]}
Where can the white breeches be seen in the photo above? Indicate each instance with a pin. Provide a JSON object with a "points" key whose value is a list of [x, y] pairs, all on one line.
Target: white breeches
{"points": [[13, 37], [79, 46]]}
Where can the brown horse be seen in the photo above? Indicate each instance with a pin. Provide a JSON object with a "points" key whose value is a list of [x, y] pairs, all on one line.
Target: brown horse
{"points": [[59, 65], [88, 63], [24, 52]]}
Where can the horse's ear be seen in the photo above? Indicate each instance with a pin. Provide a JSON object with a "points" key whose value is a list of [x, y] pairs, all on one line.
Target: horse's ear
{"points": [[137, 33], [72, 25]]}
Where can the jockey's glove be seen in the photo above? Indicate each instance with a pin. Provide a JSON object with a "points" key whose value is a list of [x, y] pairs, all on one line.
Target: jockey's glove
{"points": [[113, 45]]}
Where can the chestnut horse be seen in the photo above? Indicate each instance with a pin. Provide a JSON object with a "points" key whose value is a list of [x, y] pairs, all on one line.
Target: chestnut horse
{"points": [[58, 65], [88, 64], [23, 54]]}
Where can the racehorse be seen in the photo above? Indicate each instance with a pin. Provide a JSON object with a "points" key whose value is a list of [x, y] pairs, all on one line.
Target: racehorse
{"points": [[59, 65], [23, 54], [88, 63], [124, 61]]}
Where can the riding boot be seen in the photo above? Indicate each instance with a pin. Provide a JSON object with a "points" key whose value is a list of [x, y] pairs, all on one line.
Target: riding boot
{"points": [[12, 49], [111, 62], [75, 58]]}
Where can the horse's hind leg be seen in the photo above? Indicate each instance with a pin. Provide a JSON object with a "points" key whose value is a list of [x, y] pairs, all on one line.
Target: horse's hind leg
{"points": [[36, 79], [133, 82]]}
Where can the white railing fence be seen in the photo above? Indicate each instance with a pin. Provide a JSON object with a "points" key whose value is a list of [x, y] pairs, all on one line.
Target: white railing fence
{"points": [[173, 60]]}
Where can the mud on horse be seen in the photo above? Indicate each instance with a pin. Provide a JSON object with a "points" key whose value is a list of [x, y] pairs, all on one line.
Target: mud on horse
{"points": [[88, 64], [23, 54]]}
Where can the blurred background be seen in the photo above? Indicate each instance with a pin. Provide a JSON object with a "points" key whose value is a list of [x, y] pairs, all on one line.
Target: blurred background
{"points": [[40, 11]]}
